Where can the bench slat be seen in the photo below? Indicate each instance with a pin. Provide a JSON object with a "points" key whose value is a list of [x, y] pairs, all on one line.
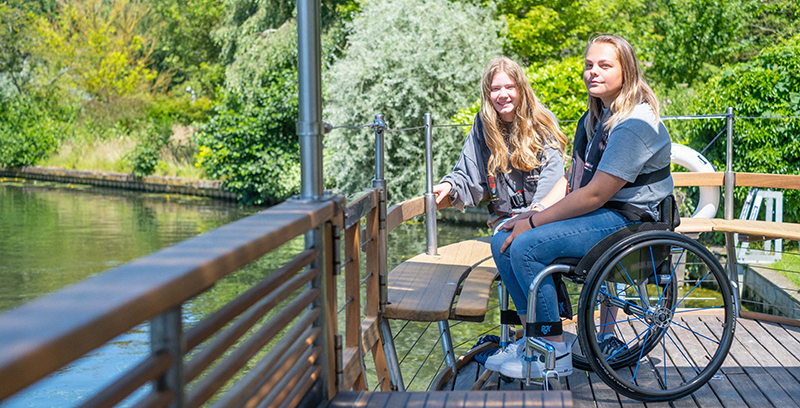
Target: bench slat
{"points": [[474, 298], [758, 230], [423, 288]]}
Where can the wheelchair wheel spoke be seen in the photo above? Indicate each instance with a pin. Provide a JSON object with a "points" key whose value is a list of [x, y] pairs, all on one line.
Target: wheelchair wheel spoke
{"points": [[683, 354], [695, 333], [644, 301], [697, 285]]}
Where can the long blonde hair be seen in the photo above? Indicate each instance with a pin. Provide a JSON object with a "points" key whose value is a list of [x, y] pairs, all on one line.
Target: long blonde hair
{"points": [[533, 126], [634, 88]]}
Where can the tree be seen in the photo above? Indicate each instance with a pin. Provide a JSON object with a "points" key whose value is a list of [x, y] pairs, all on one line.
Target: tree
{"points": [[766, 86], [404, 58], [691, 36], [102, 49], [250, 142], [185, 45]]}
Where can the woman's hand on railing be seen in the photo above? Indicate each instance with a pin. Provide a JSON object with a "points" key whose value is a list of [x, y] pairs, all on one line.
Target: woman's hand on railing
{"points": [[442, 190]]}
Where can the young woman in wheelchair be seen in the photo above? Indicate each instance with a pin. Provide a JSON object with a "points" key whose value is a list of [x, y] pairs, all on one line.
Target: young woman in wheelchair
{"points": [[513, 152], [618, 176]]}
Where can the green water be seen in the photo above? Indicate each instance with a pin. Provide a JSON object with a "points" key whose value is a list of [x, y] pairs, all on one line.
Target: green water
{"points": [[52, 235]]}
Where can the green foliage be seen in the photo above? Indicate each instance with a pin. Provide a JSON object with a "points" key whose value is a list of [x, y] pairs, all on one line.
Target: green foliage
{"points": [[27, 132], [560, 87], [404, 58], [237, 148], [767, 86], [144, 157], [250, 143], [542, 30], [692, 37], [185, 46], [100, 49], [13, 44]]}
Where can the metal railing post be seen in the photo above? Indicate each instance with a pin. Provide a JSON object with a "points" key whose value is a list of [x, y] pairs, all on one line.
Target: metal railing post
{"points": [[379, 124], [310, 133], [730, 241], [380, 183], [166, 336], [430, 198]]}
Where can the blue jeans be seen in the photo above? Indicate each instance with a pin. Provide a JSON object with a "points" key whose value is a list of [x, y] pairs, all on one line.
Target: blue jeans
{"points": [[533, 250]]}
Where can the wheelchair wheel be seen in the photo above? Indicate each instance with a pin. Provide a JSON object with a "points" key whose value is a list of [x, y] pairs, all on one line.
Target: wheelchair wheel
{"points": [[631, 354], [669, 301]]}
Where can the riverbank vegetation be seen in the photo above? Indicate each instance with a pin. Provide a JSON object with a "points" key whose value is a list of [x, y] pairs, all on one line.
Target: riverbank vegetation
{"points": [[208, 88]]}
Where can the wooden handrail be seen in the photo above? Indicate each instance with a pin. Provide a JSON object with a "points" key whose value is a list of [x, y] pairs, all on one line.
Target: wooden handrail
{"points": [[760, 180], [40, 337], [402, 212]]}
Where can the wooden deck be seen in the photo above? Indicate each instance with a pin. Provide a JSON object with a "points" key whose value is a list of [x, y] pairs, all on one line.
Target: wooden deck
{"points": [[452, 399], [762, 370]]}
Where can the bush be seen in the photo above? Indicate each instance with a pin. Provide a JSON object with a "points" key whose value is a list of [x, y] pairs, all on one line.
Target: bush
{"points": [[404, 58], [767, 86], [236, 148], [27, 132], [250, 143]]}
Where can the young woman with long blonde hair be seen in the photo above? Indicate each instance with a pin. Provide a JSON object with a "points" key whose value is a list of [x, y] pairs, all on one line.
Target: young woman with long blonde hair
{"points": [[513, 152]]}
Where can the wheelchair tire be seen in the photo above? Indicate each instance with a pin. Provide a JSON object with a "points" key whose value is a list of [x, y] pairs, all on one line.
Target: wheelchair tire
{"points": [[675, 313]]}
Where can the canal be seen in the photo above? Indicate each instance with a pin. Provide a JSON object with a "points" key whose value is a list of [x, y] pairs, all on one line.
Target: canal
{"points": [[52, 235]]}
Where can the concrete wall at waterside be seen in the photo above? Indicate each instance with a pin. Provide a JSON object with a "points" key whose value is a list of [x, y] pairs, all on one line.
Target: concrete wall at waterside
{"points": [[156, 184], [778, 294]]}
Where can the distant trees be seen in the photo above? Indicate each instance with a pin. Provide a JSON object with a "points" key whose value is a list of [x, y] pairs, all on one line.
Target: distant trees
{"points": [[74, 73], [404, 58], [766, 86]]}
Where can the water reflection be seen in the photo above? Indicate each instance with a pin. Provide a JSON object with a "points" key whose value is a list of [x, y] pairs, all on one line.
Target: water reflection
{"points": [[53, 235]]}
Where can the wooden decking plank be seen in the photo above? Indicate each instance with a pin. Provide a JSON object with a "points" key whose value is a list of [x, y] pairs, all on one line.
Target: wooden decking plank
{"points": [[724, 393], [786, 341], [779, 390], [456, 399], [578, 384], [793, 331], [467, 376], [755, 386], [492, 383], [714, 330], [604, 396]]}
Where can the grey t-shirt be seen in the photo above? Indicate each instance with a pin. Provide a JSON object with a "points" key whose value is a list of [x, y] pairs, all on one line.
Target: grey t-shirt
{"points": [[638, 145]]}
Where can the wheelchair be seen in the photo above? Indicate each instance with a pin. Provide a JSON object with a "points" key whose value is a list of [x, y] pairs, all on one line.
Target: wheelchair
{"points": [[641, 282]]}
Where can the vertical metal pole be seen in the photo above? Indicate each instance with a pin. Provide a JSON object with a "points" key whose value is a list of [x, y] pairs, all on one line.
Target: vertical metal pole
{"points": [[310, 132], [447, 345], [504, 329], [729, 176], [309, 109], [380, 183], [166, 336], [430, 198], [730, 241]]}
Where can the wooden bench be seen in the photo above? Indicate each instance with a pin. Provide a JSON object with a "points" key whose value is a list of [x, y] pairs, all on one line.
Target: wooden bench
{"points": [[747, 230], [424, 288]]}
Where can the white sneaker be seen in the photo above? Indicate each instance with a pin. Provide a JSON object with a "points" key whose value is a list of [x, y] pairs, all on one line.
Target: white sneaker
{"points": [[515, 368], [510, 353]]}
